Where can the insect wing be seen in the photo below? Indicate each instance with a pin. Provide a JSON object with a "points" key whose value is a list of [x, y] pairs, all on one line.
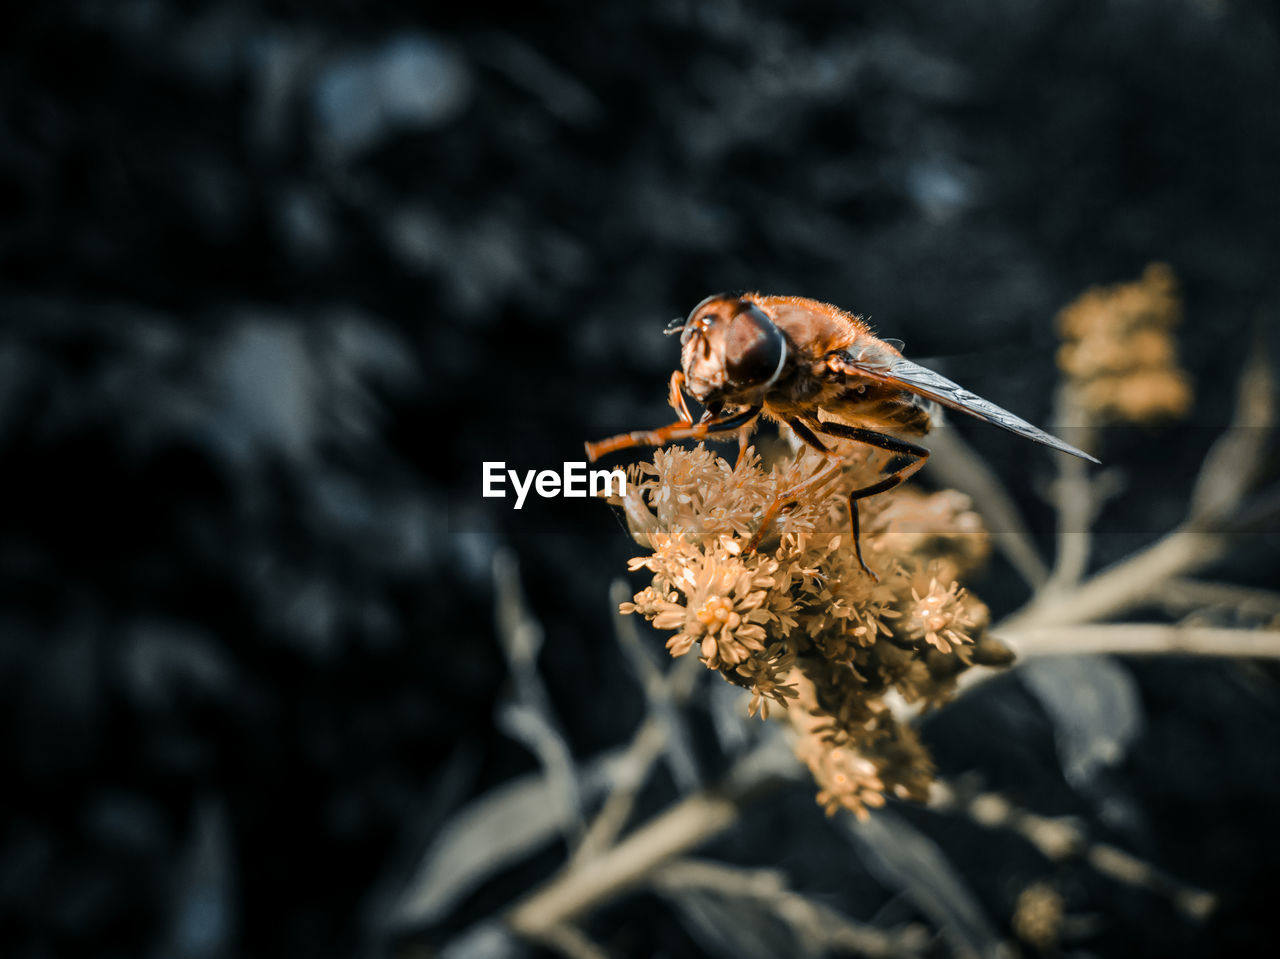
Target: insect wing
{"points": [[924, 382]]}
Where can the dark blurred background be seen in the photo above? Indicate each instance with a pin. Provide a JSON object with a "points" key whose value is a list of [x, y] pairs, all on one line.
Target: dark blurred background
{"points": [[277, 278]]}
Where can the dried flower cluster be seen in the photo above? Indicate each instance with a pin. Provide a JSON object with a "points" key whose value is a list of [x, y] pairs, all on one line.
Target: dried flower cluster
{"points": [[797, 622], [1119, 351], [1038, 916]]}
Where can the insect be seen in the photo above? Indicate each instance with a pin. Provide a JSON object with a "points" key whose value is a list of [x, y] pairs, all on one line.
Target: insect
{"points": [[743, 355]]}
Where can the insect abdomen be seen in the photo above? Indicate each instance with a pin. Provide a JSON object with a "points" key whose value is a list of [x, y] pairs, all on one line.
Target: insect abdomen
{"points": [[894, 411]]}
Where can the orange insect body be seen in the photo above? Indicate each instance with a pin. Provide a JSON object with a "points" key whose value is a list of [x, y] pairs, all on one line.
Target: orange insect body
{"points": [[815, 332], [821, 371]]}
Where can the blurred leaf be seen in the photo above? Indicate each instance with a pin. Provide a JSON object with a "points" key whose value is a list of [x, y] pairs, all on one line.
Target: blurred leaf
{"points": [[449, 787], [736, 928], [204, 920], [1093, 703], [727, 705], [531, 719], [492, 832], [664, 688], [486, 941], [903, 858]]}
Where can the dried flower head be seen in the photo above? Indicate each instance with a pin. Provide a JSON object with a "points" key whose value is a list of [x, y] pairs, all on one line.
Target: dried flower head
{"points": [[939, 527], [797, 622], [1038, 916], [1119, 352], [940, 616]]}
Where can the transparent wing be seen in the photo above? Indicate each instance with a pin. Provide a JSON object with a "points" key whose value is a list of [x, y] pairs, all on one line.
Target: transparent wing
{"points": [[887, 367]]}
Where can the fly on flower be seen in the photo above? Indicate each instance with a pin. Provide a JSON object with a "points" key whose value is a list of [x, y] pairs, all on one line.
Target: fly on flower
{"points": [[822, 372]]}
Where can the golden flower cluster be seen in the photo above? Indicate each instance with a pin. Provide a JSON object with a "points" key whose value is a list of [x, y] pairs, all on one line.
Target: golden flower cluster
{"points": [[1119, 351], [797, 621]]}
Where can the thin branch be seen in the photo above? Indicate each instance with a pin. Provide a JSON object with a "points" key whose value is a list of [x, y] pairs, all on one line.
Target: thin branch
{"points": [[1063, 838], [1112, 861], [692, 821], [1126, 639], [665, 692], [1143, 639], [1188, 595], [1124, 586], [820, 926], [645, 748], [1234, 463], [665, 688], [683, 827], [1074, 497], [1078, 495], [571, 942]]}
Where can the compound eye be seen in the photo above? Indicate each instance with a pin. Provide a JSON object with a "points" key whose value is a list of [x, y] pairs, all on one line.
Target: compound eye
{"points": [[754, 348], [699, 328]]}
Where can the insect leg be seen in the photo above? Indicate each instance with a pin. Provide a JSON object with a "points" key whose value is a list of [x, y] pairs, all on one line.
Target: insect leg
{"points": [[672, 432], [788, 498], [807, 435], [675, 396], [744, 433], [894, 445]]}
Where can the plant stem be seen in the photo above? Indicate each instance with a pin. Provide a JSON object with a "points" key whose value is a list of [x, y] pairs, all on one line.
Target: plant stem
{"points": [[1141, 639], [685, 826], [1122, 587]]}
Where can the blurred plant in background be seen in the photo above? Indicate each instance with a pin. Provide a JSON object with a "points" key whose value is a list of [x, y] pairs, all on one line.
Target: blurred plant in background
{"points": [[1120, 352]]}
